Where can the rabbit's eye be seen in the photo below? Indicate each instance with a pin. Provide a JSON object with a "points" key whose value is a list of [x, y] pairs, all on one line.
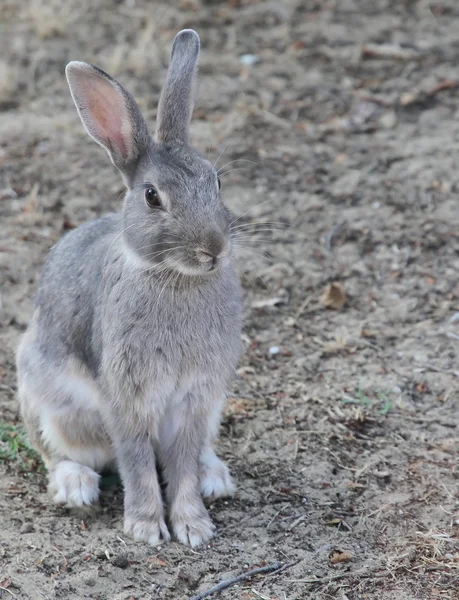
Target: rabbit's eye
{"points": [[219, 183], [152, 197]]}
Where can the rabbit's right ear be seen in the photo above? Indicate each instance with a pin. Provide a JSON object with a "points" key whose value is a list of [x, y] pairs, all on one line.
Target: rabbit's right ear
{"points": [[177, 98], [108, 112]]}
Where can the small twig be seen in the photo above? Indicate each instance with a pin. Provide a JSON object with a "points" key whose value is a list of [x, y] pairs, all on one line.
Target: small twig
{"points": [[432, 419], [389, 51], [4, 589], [297, 522], [429, 367], [276, 515], [226, 583], [362, 573], [285, 567], [379, 510]]}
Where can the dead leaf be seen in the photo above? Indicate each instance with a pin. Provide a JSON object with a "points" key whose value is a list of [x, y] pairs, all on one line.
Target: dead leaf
{"points": [[334, 522], [422, 387], [237, 406], [352, 485], [334, 296], [339, 556], [340, 523], [156, 561], [67, 224], [369, 333]]}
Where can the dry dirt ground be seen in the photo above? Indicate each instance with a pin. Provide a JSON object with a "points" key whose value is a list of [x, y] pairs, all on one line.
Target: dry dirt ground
{"points": [[342, 428]]}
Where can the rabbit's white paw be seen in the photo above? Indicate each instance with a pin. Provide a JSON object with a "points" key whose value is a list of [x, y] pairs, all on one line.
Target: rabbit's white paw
{"points": [[154, 530], [74, 484], [191, 523], [215, 477]]}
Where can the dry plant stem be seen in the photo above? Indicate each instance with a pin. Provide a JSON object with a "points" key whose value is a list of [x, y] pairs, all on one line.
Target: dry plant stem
{"points": [[3, 589], [226, 583]]}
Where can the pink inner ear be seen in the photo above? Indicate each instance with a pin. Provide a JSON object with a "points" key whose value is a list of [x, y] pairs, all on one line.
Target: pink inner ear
{"points": [[105, 114]]}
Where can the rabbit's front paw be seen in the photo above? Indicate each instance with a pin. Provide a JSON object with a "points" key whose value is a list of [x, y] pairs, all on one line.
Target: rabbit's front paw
{"points": [[215, 477], [154, 530], [191, 523]]}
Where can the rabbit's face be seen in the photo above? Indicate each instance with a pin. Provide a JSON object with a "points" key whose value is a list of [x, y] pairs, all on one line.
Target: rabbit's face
{"points": [[174, 218]]}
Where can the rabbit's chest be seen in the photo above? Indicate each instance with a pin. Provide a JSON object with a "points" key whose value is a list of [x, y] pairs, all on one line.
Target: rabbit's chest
{"points": [[172, 339]]}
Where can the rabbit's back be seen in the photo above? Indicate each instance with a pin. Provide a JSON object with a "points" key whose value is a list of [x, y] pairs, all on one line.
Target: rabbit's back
{"points": [[69, 288]]}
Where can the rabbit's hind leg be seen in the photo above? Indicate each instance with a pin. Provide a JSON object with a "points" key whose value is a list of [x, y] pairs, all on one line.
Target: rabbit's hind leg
{"points": [[215, 481], [59, 405], [71, 450], [80, 448], [215, 478], [73, 484]]}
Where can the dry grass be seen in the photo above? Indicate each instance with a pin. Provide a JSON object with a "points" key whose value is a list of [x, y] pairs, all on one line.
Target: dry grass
{"points": [[8, 82], [50, 18]]}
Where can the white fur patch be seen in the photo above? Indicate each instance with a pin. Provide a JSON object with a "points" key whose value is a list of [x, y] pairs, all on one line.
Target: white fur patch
{"points": [[154, 532], [216, 480], [77, 384], [135, 261], [74, 484], [95, 457], [191, 523]]}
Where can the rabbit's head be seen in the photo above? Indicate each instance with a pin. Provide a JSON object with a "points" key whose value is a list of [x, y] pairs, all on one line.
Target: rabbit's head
{"points": [[174, 217]]}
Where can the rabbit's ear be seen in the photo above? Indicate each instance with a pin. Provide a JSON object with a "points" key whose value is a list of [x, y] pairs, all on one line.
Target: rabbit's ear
{"points": [[177, 98], [108, 112]]}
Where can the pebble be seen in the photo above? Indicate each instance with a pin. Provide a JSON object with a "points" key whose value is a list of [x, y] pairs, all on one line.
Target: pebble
{"points": [[120, 561], [274, 350], [249, 59]]}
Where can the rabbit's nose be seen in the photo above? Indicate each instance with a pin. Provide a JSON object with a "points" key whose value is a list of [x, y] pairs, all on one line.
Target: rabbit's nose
{"points": [[206, 257], [214, 246]]}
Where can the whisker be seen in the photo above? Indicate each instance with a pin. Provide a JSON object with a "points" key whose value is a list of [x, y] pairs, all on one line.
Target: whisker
{"points": [[236, 160], [168, 280], [114, 240], [255, 223], [256, 231], [151, 245], [261, 255], [220, 155], [231, 170], [260, 240], [247, 211], [151, 255], [259, 277], [154, 269]]}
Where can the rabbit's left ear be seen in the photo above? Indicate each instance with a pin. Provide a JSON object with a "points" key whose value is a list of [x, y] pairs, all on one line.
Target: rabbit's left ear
{"points": [[109, 113], [177, 98]]}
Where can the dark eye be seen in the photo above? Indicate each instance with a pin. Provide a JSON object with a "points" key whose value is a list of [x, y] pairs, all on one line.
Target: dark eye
{"points": [[219, 183], [152, 197]]}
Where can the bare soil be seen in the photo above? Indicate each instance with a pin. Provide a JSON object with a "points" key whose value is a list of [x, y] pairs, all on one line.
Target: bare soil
{"points": [[342, 427]]}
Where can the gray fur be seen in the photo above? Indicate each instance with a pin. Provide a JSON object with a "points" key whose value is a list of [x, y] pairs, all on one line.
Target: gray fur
{"points": [[137, 323], [176, 102]]}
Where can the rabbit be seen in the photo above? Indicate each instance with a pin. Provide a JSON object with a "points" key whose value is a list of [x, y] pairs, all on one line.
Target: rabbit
{"points": [[136, 329]]}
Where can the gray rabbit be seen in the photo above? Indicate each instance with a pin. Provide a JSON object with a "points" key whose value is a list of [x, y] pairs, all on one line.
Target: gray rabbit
{"points": [[137, 321]]}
